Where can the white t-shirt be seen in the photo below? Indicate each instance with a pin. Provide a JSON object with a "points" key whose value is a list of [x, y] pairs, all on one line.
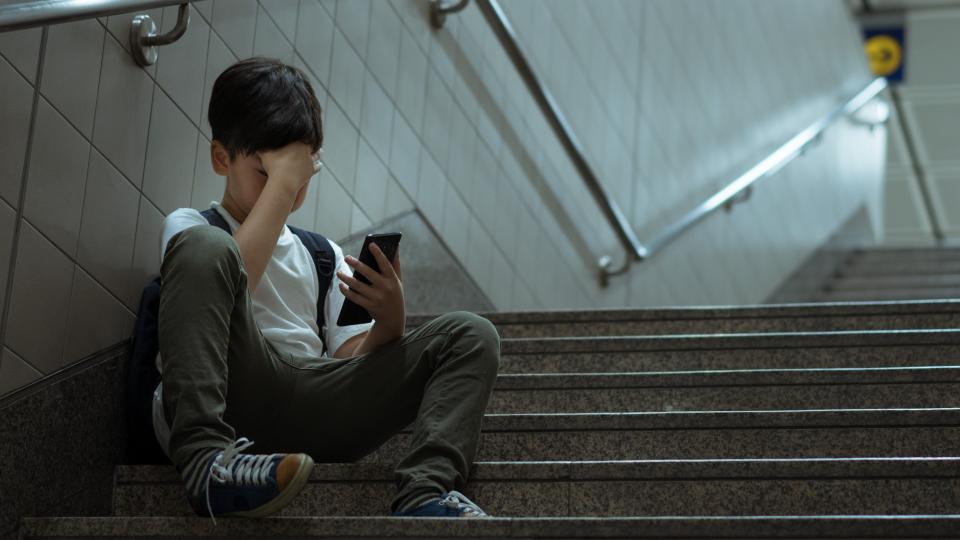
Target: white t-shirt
{"points": [[284, 302]]}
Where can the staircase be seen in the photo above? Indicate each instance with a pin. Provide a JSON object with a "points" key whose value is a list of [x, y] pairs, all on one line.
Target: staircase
{"points": [[895, 274], [801, 421]]}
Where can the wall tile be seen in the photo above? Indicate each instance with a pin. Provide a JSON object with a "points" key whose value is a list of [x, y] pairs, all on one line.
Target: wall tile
{"points": [[219, 58], [372, 178], [358, 220], [376, 122], [315, 38], [463, 150], [410, 91], [479, 261], [346, 77], [340, 146], [58, 168], [384, 48], [71, 71], [405, 154], [270, 41], [501, 278], [207, 184], [109, 225], [333, 208], [8, 218], [171, 156], [481, 191], [436, 118], [15, 373], [353, 19], [236, 21], [284, 15], [22, 49], [415, 15], [398, 201], [96, 320], [146, 253], [181, 66], [431, 190], [38, 305], [123, 112], [456, 225], [205, 7], [16, 102]]}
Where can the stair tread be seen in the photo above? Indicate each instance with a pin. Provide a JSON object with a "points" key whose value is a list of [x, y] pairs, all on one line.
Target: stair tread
{"points": [[528, 527], [731, 377], [620, 470], [819, 309], [778, 340]]}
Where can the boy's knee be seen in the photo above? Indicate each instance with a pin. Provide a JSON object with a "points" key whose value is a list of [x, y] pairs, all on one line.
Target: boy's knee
{"points": [[204, 244], [480, 329]]}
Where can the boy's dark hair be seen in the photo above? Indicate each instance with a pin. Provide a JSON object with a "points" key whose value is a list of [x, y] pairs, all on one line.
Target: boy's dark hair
{"points": [[263, 104]]}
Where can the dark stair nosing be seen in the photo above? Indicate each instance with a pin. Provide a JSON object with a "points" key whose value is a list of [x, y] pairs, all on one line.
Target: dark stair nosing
{"points": [[838, 526], [810, 309], [730, 377], [768, 340], [621, 470]]}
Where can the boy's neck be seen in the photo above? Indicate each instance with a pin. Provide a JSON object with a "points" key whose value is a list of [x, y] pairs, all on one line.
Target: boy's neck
{"points": [[232, 208]]}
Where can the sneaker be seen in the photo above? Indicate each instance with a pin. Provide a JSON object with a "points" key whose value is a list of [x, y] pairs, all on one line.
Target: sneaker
{"points": [[251, 485], [451, 504]]}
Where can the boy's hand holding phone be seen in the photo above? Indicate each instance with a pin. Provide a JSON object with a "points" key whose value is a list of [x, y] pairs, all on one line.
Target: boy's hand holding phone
{"points": [[292, 166], [383, 298]]}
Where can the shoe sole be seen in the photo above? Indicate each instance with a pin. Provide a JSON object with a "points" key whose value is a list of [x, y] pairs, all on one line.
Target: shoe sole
{"points": [[277, 503]]}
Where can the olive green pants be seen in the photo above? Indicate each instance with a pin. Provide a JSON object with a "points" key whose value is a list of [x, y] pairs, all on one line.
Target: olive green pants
{"points": [[223, 380]]}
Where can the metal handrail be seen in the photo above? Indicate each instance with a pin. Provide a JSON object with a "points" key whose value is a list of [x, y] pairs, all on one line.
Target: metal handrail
{"points": [[739, 189], [143, 31], [736, 191]]}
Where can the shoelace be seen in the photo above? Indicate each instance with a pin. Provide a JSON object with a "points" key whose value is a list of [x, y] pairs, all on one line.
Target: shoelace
{"points": [[230, 466], [457, 500]]}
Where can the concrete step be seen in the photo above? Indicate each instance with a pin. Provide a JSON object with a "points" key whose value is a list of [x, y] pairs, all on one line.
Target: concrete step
{"points": [[833, 388], [766, 487], [731, 351], [708, 434], [685, 526], [719, 320], [905, 293], [897, 268], [906, 254], [926, 281]]}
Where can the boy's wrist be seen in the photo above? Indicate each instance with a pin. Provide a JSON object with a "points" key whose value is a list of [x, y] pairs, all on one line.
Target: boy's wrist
{"points": [[282, 186]]}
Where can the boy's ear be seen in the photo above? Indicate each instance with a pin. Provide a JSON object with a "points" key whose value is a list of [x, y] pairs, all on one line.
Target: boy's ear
{"points": [[219, 158]]}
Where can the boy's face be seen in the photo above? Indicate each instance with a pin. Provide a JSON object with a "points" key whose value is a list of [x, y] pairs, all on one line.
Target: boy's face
{"points": [[246, 179]]}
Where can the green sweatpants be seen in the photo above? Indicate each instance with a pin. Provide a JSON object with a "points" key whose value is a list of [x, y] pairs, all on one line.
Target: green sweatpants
{"points": [[222, 379]]}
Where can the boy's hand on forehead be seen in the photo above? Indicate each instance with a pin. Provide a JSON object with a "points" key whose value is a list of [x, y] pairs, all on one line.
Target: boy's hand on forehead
{"points": [[293, 165]]}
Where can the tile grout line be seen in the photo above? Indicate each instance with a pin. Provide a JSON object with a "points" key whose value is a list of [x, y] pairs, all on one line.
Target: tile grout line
{"points": [[14, 248]]}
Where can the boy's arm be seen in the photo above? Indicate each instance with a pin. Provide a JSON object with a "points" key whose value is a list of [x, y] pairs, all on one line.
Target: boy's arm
{"points": [[257, 235], [288, 172]]}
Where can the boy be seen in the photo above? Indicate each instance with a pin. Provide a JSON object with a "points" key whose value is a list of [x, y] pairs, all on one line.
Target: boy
{"points": [[240, 351]]}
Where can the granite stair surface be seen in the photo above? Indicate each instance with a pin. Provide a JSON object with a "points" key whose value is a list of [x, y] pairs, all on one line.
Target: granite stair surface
{"points": [[895, 274], [793, 421]]}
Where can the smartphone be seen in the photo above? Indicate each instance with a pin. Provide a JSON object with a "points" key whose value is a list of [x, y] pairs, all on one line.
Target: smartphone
{"points": [[353, 313]]}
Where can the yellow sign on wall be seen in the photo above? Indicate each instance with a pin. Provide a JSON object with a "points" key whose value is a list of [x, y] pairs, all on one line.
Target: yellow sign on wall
{"points": [[884, 50]]}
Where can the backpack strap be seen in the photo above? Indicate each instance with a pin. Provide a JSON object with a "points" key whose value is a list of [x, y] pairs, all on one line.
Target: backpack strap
{"points": [[324, 260], [214, 218], [321, 252]]}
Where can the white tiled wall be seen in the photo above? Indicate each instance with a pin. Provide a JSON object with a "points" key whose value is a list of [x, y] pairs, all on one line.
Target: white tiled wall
{"points": [[669, 99], [930, 95]]}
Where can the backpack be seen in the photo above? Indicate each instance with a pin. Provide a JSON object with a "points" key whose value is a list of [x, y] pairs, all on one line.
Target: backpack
{"points": [[142, 376]]}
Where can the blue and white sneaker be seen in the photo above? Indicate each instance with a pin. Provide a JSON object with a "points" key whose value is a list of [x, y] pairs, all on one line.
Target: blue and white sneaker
{"points": [[251, 485], [451, 504]]}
